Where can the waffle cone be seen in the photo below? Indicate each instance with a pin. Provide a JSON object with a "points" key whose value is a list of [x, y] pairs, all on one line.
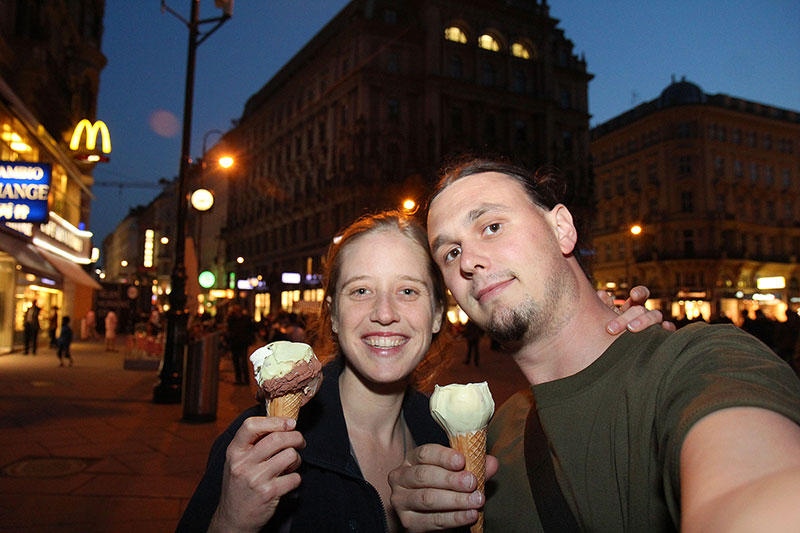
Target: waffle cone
{"points": [[287, 406], [473, 447]]}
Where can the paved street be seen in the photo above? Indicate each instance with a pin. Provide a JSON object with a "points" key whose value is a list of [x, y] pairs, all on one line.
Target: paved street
{"points": [[84, 449]]}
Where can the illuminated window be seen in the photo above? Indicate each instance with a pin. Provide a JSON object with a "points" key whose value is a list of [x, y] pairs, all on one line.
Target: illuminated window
{"points": [[455, 34], [520, 50], [487, 42]]}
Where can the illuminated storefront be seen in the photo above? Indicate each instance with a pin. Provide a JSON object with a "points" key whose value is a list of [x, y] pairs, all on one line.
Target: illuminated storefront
{"points": [[41, 252]]}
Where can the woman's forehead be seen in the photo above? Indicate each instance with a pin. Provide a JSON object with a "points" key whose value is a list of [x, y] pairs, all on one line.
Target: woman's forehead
{"points": [[380, 249]]}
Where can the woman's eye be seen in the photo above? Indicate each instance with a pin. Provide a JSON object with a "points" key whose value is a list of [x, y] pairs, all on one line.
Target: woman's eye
{"points": [[491, 229], [409, 292], [361, 291]]}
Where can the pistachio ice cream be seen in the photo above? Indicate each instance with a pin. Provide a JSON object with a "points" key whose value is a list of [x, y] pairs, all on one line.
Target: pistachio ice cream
{"points": [[286, 372]]}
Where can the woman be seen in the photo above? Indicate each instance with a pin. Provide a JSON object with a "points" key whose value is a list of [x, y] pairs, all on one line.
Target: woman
{"points": [[380, 332]]}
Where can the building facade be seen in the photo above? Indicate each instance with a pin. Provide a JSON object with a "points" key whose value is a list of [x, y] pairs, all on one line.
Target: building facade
{"points": [[50, 63], [363, 116], [713, 183]]}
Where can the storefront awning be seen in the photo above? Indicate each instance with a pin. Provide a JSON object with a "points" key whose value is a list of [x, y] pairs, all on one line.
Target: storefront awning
{"points": [[70, 270], [28, 257]]}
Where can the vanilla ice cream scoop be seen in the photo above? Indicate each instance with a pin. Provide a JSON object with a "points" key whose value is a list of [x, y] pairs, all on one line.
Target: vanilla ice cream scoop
{"points": [[279, 358], [462, 408]]}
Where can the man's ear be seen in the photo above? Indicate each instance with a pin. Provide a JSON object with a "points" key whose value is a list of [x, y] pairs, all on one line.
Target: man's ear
{"points": [[334, 319], [566, 234]]}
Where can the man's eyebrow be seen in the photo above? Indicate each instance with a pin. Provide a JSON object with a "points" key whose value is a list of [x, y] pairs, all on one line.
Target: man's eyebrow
{"points": [[471, 217]]}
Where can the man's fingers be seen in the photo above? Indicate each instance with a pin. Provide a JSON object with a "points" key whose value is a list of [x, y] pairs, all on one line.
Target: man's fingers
{"points": [[437, 500], [438, 521], [492, 466], [438, 455]]}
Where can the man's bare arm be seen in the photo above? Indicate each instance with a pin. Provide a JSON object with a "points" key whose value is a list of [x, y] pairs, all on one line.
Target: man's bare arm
{"points": [[740, 471]]}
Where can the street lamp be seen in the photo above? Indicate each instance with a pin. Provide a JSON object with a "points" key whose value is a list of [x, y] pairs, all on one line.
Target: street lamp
{"points": [[635, 230], [168, 388]]}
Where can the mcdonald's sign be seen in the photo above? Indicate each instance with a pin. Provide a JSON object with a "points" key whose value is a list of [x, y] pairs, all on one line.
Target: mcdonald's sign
{"points": [[92, 131]]}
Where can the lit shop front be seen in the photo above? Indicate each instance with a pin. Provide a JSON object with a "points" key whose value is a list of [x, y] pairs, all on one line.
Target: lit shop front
{"points": [[41, 261]]}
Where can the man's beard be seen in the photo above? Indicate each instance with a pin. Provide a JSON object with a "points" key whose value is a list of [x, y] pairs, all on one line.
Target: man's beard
{"points": [[531, 319]]}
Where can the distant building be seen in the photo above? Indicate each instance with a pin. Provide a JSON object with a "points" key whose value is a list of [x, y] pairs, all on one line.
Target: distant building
{"points": [[50, 63], [714, 183], [362, 117]]}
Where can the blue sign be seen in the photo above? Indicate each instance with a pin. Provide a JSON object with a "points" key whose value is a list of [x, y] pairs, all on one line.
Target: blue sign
{"points": [[24, 188]]}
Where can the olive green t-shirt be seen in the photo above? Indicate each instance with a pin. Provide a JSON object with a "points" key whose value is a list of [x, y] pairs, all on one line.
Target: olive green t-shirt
{"points": [[616, 427]]}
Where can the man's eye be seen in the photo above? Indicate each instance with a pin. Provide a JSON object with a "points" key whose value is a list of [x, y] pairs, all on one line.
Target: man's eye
{"points": [[409, 292], [452, 254], [491, 229]]}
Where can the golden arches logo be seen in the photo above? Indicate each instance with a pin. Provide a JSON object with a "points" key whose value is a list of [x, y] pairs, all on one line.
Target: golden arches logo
{"points": [[92, 131]]}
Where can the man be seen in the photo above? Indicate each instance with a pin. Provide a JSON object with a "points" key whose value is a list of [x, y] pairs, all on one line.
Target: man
{"points": [[31, 327], [694, 430], [239, 336]]}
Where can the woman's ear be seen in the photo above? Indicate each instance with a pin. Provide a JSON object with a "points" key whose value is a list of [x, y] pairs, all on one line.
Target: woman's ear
{"points": [[566, 234], [334, 319], [437, 320]]}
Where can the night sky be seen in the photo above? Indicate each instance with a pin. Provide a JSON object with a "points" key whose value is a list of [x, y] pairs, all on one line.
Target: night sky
{"points": [[632, 48]]}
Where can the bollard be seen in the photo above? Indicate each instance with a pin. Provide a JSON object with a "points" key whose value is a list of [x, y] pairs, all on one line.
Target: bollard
{"points": [[201, 379]]}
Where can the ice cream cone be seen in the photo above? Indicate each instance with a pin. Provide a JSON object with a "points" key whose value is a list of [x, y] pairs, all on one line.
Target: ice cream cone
{"points": [[472, 445], [287, 406]]}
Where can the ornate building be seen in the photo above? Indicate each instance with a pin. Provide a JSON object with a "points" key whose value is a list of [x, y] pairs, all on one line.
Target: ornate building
{"points": [[363, 116], [50, 63], [713, 182]]}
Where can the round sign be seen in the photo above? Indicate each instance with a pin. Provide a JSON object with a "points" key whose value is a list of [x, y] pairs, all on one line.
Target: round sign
{"points": [[206, 279], [202, 199]]}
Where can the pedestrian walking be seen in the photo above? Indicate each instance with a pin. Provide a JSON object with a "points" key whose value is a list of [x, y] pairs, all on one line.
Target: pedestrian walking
{"points": [[111, 331], [91, 326], [31, 327], [472, 334], [53, 326], [64, 342], [240, 335]]}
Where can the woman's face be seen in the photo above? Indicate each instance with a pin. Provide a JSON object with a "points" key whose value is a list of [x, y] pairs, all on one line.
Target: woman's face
{"points": [[385, 313]]}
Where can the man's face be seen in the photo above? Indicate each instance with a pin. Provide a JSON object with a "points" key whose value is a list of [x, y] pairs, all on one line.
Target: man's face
{"points": [[500, 256]]}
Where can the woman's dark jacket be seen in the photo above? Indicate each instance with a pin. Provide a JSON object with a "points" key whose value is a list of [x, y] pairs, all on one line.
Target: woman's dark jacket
{"points": [[333, 495]]}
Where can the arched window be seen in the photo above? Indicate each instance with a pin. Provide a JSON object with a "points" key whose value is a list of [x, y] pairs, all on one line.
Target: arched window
{"points": [[520, 50], [487, 42], [455, 34]]}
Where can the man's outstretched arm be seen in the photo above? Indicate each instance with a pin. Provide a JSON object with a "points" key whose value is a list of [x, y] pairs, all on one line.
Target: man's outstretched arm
{"points": [[740, 471]]}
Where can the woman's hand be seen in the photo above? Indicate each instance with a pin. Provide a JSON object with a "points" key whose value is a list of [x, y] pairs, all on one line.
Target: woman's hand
{"points": [[259, 469], [632, 314]]}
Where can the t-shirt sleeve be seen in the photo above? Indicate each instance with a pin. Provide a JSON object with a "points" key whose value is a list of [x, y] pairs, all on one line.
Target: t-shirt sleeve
{"points": [[716, 367]]}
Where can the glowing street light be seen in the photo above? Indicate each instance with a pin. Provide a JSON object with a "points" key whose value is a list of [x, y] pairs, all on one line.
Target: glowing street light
{"points": [[240, 259], [226, 161], [636, 230]]}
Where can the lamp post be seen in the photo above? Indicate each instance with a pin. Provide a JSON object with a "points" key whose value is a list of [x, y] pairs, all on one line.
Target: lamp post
{"points": [[168, 388], [634, 231]]}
